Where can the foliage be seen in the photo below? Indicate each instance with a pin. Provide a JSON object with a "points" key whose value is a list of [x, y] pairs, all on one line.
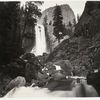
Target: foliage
{"points": [[78, 17], [88, 24], [58, 23], [14, 23], [9, 31], [30, 14], [74, 21]]}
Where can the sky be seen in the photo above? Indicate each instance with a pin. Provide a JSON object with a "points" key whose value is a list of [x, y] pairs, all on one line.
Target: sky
{"points": [[76, 5]]}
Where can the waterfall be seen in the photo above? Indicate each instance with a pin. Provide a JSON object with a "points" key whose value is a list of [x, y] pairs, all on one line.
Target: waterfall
{"points": [[40, 40]]}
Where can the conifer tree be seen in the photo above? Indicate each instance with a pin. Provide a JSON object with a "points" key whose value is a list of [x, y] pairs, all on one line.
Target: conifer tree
{"points": [[74, 21], [58, 30], [78, 17]]}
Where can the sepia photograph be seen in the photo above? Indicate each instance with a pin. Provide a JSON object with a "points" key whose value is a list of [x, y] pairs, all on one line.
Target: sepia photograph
{"points": [[49, 48]]}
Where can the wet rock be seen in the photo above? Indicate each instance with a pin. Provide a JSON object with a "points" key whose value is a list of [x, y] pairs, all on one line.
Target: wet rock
{"points": [[43, 58], [58, 75], [42, 76], [63, 84], [51, 69], [4, 81], [17, 82]]}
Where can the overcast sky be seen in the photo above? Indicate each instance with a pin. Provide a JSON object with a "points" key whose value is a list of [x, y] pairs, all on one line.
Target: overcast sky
{"points": [[76, 5]]}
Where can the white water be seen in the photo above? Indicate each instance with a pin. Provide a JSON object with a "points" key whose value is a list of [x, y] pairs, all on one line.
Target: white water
{"points": [[44, 92], [40, 41], [58, 67]]}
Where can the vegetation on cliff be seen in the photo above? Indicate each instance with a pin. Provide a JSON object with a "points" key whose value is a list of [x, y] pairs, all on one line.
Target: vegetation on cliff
{"points": [[82, 49], [59, 28]]}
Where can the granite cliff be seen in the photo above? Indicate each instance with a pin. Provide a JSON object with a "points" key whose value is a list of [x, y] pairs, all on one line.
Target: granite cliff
{"points": [[68, 16]]}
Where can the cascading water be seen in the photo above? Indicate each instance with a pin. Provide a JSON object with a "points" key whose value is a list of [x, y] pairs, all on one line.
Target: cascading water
{"points": [[40, 40]]}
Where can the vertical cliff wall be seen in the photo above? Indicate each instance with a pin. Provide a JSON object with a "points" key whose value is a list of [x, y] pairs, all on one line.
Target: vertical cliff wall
{"points": [[68, 16]]}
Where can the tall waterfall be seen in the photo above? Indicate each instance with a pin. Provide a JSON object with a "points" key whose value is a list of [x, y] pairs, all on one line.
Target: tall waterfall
{"points": [[40, 40]]}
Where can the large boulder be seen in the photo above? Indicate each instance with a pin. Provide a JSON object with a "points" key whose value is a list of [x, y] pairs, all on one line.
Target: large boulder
{"points": [[41, 80], [30, 72], [65, 65], [17, 82], [63, 84], [93, 79], [58, 75], [53, 71], [32, 67]]}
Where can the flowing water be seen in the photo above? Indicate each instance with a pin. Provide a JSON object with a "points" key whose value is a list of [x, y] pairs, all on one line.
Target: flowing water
{"points": [[40, 40], [80, 90]]}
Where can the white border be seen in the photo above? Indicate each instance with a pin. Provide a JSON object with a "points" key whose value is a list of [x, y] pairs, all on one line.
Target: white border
{"points": [[38, 98]]}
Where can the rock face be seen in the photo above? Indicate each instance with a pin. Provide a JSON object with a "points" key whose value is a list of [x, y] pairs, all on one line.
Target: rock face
{"points": [[90, 19], [80, 49], [68, 16]]}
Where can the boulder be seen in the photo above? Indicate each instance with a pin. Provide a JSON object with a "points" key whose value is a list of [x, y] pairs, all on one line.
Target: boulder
{"points": [[58, 75], [50, 68], [17, 82], [33, 66], [30, 72], [42, 76], [65, 65], [93, 79], [56, 85]]}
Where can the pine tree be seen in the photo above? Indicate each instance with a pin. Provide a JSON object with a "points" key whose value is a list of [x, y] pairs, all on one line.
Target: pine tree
{"points": [[74, 21], [78, 17], [70, 24], [58, 30]]}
